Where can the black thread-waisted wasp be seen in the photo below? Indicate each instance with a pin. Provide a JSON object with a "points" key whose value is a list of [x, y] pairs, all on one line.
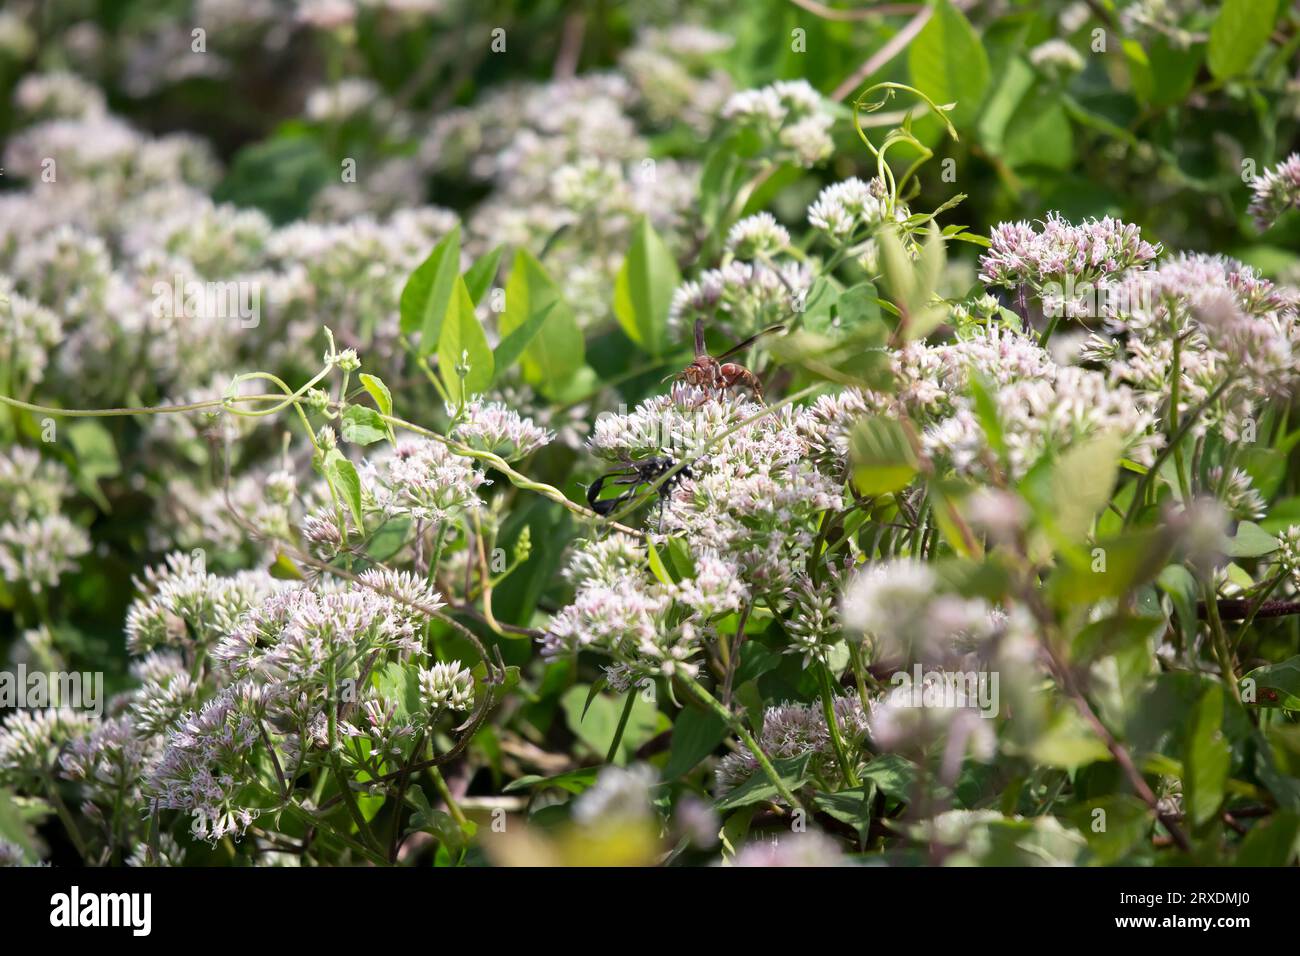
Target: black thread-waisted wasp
{"points": [[633, 475]]}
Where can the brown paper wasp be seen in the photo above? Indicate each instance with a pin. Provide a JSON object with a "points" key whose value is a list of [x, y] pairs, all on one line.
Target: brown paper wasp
{"points": [[710, 372]]}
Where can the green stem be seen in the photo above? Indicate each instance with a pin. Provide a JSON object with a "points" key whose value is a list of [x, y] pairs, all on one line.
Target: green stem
{"points": [[622, 725], [1184, 486], [833, 726], [738, 728], [444, 791], [1219, 639], [337, 765], [66, 818], [1139, 495]]}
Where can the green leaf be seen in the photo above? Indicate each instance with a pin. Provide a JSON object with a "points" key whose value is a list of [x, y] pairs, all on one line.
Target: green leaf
{"points": [[1239, 32], [1274, 685], [14, 829], [1271, 842], [1068, 743], [1207, 757], [696, 733], [512, 346], [948, 64], [1017, 79], [283, 569], [428, 292], [894, 775], [342, 476], [442, 826], [1162, 73], [1251, 541], [96, 456], [1123, 824], [1082, 481], [1040, 135], [382, 397], [362, 425], [596, 723], [896, 268], [855, 355], [657, 564], [574, 781], [278, 176], [462, 341], [793, 771], [479, 276], [986, 410], [1178, 583], [556, 351], [399, 684], [1113, 635], [850, 806], [1113, 568], [378, 391], [883, 460], [388, 539], [644, 288]]}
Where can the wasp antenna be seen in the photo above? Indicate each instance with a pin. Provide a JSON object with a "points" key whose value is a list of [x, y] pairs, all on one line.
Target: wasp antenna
{"points": [[741, 346]]}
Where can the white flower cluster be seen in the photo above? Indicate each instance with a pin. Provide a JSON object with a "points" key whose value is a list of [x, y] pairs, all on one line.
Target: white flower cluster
{"points": [[200, 770], [756, 494], [30, 741], [850, 208], [183, 606], [648, 627], [1043, 407], [672, 72], [1057, 58], [494, 427], [38, 544], [446, 684], [1287, 557], [791, 118], [570, 168], [1276, 191], [1092, 251], [28, 333], [1238, 332], [742, 297], [298, 639], [422, 479]]}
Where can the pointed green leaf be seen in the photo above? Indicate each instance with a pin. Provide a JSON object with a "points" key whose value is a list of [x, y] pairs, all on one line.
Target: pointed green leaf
{"points": [[1239, 32], [382, 397], [557, 350], [883, 460], [644, 289], [793, 771], [342, 476], [362, 426], [512, 346], [948, 63], [462, 342], [1207, 759], [479, 276], [427, 293]]}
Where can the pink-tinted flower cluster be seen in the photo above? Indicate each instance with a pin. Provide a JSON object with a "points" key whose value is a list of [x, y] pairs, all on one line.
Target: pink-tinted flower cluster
{"points": [[1276, 191], [1023, 255]]}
